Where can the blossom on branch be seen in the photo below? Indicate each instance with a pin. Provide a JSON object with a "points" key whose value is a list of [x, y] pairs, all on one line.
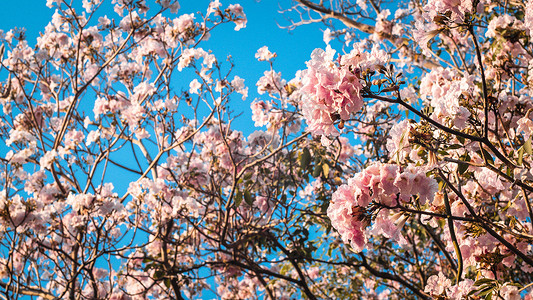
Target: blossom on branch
{"points": [[380, 187]]}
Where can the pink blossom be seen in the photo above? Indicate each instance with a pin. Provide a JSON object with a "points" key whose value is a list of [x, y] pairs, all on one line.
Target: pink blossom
{"points": [[457, 8], [73, 138], [80, 201], [264, 54], [142, 90], [172, 4], [381, 184], [437, 284], [17, 210], [510, 292], [264, 204], [190, 54], [238, 16], [444, 88], [528, 18], [327, 36], [459, 291], [134, 113], [388, 174], [92, 137], [194, 86], [262, 139], [525, 125], [260, 111], [47, 159], [183, 23], [142, 133], [502, 22], [385, 225], [104, 21], [214, 5], [423, 33], [398, 142], [347, 150], [19, 136], [409, 95], [271, 82], [382, 25], [341, 214], [489, 180], [331, 92], [129, 21], [238, 84]]}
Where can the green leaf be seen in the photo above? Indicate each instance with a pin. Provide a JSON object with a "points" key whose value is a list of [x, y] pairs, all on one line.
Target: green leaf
{"points": [[486, 291], [317, 171], [305, 159], [520, 155], [238, 198], [509, 172], [527, 146], [455, 146], [483, 281], [487, 156], [441, 185], [248, 197], [489, 296], [507, 206], [248, 175], [149, 266], [463, 167], [325, 170], [159, 274]]}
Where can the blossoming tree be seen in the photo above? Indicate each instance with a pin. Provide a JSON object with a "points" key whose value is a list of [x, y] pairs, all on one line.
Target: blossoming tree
{"points": [[397, 168]]}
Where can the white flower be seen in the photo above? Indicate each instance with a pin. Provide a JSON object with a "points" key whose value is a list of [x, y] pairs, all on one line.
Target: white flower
{"points": [[264, 54], [194, 86]]}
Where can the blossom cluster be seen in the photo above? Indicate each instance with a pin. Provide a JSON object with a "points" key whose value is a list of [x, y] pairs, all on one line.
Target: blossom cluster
{"points": [[332, 86], [332, 92], [447, 92], [456, 8], [384, 186]]}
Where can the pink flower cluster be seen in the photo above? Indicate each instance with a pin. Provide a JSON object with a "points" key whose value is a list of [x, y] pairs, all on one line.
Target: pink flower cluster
{"points": [[331, 91], [239, 18], [528, 18], [263, 54], [383, 184], [457, 8], [445, 88]]}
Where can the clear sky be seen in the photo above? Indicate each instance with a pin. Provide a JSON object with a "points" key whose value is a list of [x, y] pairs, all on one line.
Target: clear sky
{"points": [[293, 48]]}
